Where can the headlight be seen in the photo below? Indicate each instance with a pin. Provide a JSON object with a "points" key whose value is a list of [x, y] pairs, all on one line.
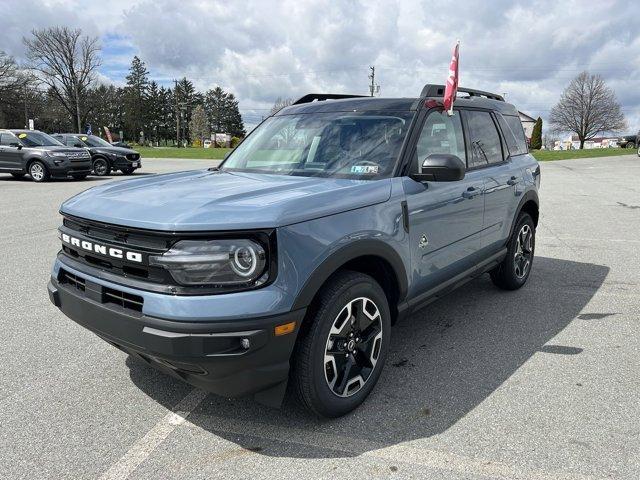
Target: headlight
{"points": [[223, 262], [56, 154]]}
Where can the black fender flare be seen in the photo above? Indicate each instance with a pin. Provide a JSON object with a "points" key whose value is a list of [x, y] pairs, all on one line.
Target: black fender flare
{"points": [[530, 195], [96, 156], [360, 248]]}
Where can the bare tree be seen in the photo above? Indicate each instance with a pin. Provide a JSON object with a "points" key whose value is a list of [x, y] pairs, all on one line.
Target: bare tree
{"points": [[587, 108], [279, 104], [66, 61], [199, 125], [11, 77]]}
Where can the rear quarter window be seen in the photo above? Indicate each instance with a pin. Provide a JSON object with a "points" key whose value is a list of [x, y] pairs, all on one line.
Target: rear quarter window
{"points": [[513, 134]]}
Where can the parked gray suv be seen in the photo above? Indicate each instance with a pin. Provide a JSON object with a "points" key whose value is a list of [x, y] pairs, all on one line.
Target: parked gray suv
{"points": [[287, 265], [35, 153]]}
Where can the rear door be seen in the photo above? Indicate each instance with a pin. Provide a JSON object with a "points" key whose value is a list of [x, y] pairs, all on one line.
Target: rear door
{"points": [[490, 157], [445, 218]]}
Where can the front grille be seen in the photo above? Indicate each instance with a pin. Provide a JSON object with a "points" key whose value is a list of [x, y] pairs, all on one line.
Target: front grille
{"points": [[102, 294], [68, 278], [123, 299], [133, 156]]}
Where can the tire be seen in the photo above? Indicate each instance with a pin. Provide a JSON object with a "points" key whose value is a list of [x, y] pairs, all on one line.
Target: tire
{"points": [[639, 151], [18, 175], [38, 171], [80, 176], [127, 170], [514, 270], [338, 360], [630, 145], [101, 167]]}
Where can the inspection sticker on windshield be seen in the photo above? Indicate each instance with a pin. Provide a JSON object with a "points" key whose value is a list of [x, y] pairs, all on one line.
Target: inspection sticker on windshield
{"points": [[364, 169], [22, 135]]}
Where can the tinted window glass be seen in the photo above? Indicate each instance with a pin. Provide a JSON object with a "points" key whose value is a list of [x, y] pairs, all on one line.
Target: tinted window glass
{"points": [[513, 134], [485, 142], [7, 139], [441, 134]]}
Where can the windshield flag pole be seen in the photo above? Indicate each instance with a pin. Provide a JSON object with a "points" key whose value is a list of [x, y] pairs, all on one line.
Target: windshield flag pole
{"points": [[451, 88]]}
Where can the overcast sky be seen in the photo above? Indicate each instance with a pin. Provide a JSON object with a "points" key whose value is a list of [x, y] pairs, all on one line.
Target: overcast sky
{"points": [[263, 50]]}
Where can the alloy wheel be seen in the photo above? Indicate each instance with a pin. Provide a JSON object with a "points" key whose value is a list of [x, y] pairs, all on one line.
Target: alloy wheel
{"points": [[37, 172], [524, 251], [100, 167], [353, 347]]}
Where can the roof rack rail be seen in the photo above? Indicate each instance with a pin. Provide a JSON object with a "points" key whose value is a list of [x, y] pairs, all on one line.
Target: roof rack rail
{"points": [[430, 90], [310, 97]]}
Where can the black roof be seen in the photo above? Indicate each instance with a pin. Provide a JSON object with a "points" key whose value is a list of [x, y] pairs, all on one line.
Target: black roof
{"points": [[372, 104]]}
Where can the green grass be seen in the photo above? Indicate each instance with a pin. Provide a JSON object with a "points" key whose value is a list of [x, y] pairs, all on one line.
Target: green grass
{"points": [[219, 153], [189, 152], [548, 155]]}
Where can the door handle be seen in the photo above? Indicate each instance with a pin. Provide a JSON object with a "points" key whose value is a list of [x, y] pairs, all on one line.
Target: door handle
{"points": [[471, 192], [513, 181]]}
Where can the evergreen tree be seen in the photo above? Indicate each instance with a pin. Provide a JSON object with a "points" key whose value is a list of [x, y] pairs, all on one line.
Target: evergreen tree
{"points": [[234, 124], [136, 97], [536, 135], [187, 100]]}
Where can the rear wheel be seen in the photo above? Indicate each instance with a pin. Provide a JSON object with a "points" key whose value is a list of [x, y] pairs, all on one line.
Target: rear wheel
{"points": [[101, 167], [631, 145], [340, 355], [38, 171], [514, 270]]}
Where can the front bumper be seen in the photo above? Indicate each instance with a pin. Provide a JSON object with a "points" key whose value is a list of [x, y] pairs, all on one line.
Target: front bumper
{"points": [[214, 356], [122, 162], [68, 168]]}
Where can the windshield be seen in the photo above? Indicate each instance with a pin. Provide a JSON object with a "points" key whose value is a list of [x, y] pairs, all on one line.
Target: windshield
{"points": [[93, 141], [37, 139], [340, 144]]}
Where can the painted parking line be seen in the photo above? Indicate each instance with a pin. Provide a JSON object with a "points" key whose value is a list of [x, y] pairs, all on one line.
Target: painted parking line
{"points": [[144, 447]]}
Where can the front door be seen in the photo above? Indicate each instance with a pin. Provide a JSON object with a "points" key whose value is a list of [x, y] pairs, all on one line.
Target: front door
{"points": [[10, 155], [445, 218]]}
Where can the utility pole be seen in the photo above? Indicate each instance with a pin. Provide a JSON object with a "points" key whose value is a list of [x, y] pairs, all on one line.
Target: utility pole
{"points": [[175, 97], [373, 87], [26, 113]]}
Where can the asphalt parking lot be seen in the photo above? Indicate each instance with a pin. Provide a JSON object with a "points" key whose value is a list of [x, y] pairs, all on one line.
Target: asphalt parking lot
{"points": [[543, 383]]}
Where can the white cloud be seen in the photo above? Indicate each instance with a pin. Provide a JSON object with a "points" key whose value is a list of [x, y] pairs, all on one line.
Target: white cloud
{"points": [[265, 49]]}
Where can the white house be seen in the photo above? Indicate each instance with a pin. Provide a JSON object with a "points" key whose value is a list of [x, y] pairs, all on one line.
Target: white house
{"points": [[527, 123]]}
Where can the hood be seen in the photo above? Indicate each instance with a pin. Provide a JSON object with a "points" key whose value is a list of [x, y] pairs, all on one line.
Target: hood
{"points": [[116, 150], [217, 200]]}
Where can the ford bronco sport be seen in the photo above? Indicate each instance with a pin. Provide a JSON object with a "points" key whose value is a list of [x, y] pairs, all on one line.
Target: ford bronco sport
{"points": [[288, 264], [41, 156]]}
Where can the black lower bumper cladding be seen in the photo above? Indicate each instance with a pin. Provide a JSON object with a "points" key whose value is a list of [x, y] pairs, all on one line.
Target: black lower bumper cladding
{"points": [[229, 358]]}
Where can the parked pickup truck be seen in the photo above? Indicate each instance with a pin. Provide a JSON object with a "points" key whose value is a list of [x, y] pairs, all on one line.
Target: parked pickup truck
{"points": [[289, 263]]}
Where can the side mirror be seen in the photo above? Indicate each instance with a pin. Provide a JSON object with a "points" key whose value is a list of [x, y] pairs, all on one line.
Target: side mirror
{"points": [[441, 167], [79, 145], [15, 145]]}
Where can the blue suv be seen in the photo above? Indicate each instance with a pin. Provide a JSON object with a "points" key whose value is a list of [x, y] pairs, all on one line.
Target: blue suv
{"points": [[285, 267]]}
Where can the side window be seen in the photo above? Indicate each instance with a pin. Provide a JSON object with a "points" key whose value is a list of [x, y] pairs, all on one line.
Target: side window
{"points": [[6, 139], [441, 133], [513, 134], [71, 141], [485, 144]]}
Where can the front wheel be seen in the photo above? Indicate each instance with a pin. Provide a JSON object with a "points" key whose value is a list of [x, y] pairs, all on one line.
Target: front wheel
{"points": [[514, 270], [101, 167], [38, 171], [342, 349]]}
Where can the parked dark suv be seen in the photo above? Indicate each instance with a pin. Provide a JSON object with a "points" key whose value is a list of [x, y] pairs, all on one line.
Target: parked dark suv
{"points": [[105, 157], [335, 218], [41, 156]]}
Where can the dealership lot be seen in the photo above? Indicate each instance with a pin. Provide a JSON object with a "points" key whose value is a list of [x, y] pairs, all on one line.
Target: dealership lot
{"points": [[541, 383]]}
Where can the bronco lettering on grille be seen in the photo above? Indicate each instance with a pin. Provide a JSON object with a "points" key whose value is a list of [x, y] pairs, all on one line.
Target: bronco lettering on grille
{"points": [[102, 249]]}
